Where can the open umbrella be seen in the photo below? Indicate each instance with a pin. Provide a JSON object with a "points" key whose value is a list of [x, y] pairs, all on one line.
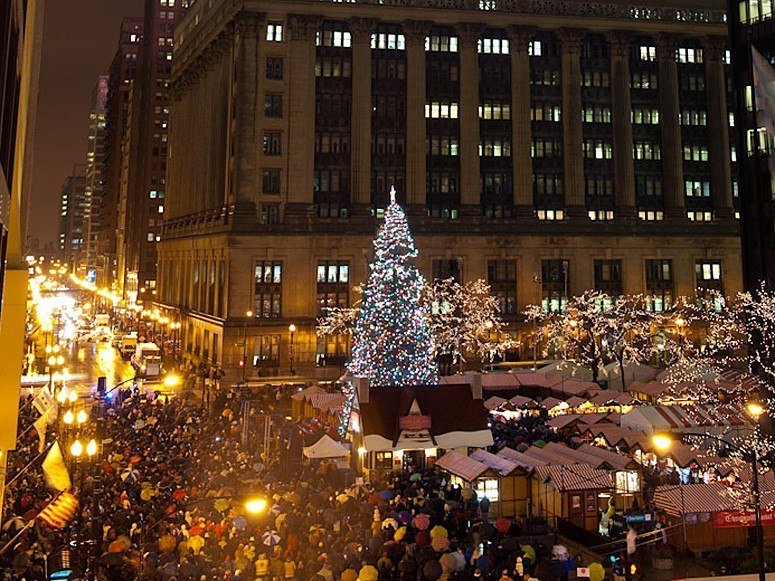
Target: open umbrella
{"points": [[415, 477], [221, 504], [275, 509], [179, 494], [386, 495], [342, 498], [399, 534], [529, 551], [196, 543], [439, 531], [196, 530], [440, 544], [167, 543], [502, 525], [448, 563], [368, 573], [422, 521], [271, 538], [130, 475], [390, 522], [404, 517]]}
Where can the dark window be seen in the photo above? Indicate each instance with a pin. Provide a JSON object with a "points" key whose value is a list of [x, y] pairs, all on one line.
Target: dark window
{"points": [[502, 278], [273, 105], [554, 285], [333, 285], [270, 213], [270, 181], [273, 142], [268, 280], [443, 269], [266, 351], [659, 284], [608, 277], [274, 67]]}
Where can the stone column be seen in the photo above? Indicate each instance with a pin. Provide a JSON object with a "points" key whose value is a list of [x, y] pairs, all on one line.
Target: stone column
{"points": [[521, 128], [415, 33], [360, 131], [669, 112], [621, 111], [301, 112], [718, 127], [470, 176], [248, 145], [572, 142]]}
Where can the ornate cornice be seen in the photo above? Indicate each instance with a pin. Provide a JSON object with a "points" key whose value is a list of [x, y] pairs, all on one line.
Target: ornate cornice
{"points": [[619, 42], [570, 38], [714, 47]]}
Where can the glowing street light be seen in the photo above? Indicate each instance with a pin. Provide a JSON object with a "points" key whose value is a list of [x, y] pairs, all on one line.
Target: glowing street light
{"points": [[76, 449], [69, 417], [255, 505], [82, 416], [662, 442], [755, 409], [91, 447], [171, 380]]}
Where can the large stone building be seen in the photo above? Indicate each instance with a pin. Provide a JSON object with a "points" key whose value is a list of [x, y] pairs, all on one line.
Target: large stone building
{"points": [[73, 216], [751, 27], [21, 37], [120, 76], [146, 151], [95, 174], [547, 147]]}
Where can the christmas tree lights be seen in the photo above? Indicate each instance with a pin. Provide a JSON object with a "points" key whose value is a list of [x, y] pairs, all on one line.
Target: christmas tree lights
{"points": [[392, 341]]}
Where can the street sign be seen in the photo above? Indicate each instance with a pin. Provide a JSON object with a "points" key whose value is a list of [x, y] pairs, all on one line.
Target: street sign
{"points": [[636, 518], [239, 344]]}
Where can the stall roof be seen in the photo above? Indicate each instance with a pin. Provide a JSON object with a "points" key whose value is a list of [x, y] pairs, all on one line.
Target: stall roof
{"points": [[462, 466], [500, 464], [305, 393], [616, 435], [594, 456], [657, 418], [572, 477], [520, 458], [494, 402], [521, 401], [612, 397], [562, 421], [676, 499]]}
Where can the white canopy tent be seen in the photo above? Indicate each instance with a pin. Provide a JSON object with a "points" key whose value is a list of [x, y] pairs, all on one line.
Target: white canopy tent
{"points": [[325, 447]]}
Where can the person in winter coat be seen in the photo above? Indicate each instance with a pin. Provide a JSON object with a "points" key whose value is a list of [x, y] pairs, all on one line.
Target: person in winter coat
{"points": [[290, 568], [262, 567]]}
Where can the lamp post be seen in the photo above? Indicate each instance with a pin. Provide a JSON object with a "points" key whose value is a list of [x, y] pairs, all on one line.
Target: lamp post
{"points": [[663, 442], [292, 330], [248, 316]]}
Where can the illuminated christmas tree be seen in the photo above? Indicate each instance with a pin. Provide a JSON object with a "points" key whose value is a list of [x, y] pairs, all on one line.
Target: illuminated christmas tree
{"points": [[392, 341]]}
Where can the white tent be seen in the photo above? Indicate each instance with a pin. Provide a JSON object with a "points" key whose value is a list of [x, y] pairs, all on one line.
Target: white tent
{"points": [[325, 447], [633, 371]]}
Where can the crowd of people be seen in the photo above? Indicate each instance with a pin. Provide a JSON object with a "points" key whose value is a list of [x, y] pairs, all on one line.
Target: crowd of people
{"points": [[175, 476]]}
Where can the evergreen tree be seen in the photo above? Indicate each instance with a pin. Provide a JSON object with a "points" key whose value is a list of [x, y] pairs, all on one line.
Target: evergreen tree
{"points": [[392, 341]]}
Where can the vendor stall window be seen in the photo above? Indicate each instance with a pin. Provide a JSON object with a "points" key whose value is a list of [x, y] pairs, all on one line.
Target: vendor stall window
{"points": [[487, 487], [383, 461], [627, 481]]}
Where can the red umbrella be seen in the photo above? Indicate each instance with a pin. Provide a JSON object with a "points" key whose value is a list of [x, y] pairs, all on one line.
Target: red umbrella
{"points": [[422, 539], [422, 521], [179, 494], [196, 530], [440, 544], [503, 525], [374, 498]]}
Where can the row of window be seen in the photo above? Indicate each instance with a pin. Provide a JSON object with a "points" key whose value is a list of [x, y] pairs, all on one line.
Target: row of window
{"points": [[333, 282]]}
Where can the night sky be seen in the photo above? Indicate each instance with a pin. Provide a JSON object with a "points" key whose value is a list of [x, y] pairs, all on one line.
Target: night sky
{"points": [[80, 39]]}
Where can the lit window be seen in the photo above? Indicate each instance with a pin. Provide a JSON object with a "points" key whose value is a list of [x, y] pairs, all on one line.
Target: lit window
{"points": [[487, 487], [274, 32]]}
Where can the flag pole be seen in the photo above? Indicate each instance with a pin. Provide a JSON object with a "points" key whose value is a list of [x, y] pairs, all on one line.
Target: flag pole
{"points": [[29, 524], [23, 470]]}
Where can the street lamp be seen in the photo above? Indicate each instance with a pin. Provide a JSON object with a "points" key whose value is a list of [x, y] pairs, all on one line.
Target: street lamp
{"points": [[292, 329], [663, 441], [248, 316]]}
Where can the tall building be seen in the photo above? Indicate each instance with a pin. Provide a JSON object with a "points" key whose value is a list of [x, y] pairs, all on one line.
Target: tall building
{"points": [[73, 216], [21, 37], [146, 182], [750, 27], [547, 148], [121, 74], [95, 174]]}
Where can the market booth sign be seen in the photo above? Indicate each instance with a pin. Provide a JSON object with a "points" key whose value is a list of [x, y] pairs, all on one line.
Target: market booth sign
{"points": [[741, 518]]}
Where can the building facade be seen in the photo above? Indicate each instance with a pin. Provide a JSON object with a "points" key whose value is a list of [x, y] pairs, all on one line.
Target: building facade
{"points": [[73, 216], [751, 27], [21, 37], [95, 174], [120, 76], [147, 145], [546, 148]]}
